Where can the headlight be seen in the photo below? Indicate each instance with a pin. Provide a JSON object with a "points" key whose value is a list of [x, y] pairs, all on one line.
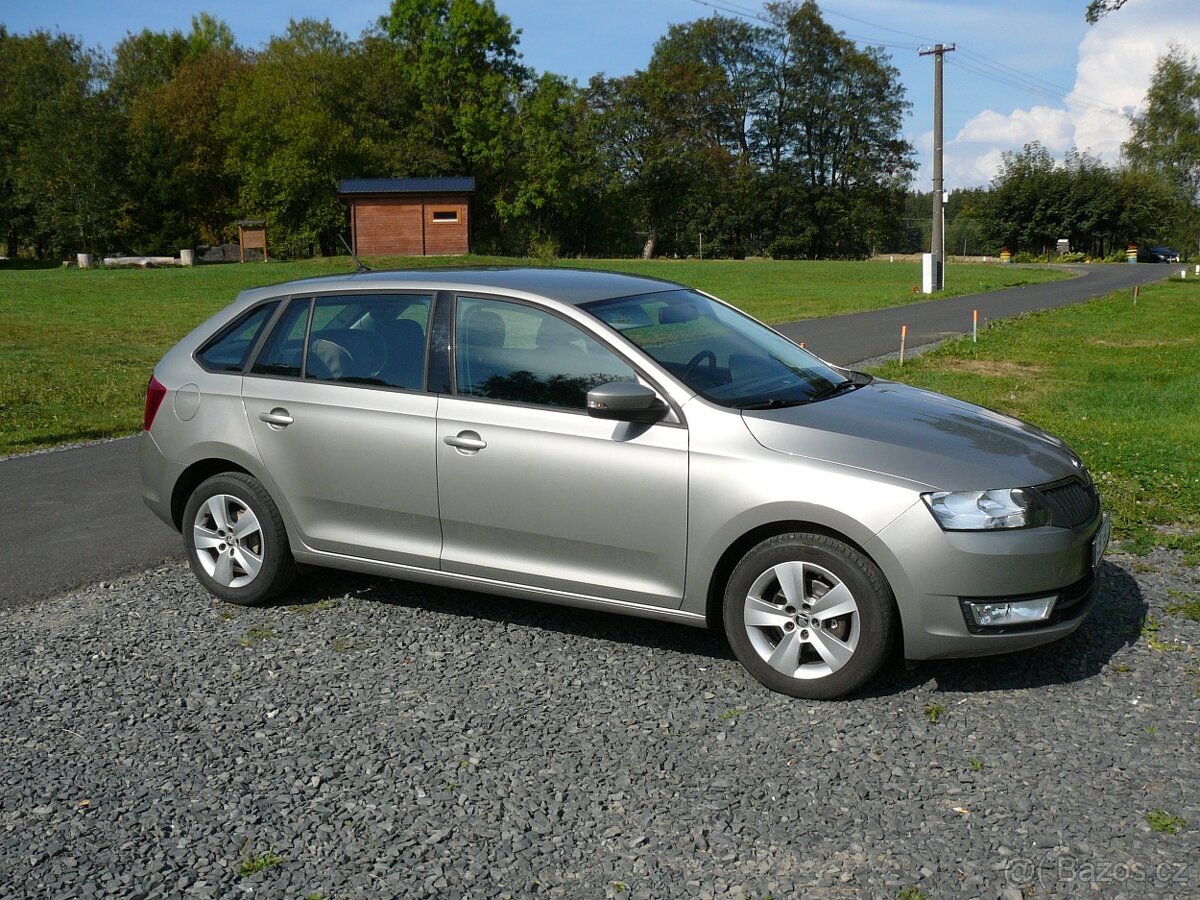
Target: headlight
{"points": [[978, 510]]}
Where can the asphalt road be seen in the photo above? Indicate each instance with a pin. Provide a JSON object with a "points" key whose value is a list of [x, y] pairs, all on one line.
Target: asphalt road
{"points": [[849, 339], [76, 516]]}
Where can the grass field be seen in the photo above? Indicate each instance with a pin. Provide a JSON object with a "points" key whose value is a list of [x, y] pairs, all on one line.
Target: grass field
{"points": [[1120, 383], [76, 347]]}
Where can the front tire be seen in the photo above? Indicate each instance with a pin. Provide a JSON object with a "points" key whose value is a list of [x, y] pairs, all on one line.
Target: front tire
{"points": [[236, 542], [809, 616]]}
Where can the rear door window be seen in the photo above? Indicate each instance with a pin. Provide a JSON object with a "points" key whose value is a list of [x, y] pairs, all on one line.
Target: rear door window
{"points": [[374, 339], [283, 353]]}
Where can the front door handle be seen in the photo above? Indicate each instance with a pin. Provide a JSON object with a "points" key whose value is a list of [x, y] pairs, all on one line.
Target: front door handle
{"points": [[276, 418], [465, 442]]}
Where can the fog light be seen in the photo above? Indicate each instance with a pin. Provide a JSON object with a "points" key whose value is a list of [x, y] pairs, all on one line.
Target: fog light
{"points": [[1010, 612]]}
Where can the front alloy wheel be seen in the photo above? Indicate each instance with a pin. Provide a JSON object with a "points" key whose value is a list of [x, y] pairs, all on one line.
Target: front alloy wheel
{"points": [[802, 620], [809, 615]]}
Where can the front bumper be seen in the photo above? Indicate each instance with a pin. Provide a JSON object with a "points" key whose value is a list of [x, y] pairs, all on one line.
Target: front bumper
{"points": [[932, 571]]}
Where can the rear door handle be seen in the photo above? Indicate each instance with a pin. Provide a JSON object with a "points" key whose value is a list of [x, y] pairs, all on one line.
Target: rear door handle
{"points": [[465, 442], [276, 418]]}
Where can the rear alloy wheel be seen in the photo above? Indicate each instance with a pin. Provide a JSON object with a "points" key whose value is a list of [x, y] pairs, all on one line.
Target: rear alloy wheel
{"points": [[235, 540], [809, 616]]}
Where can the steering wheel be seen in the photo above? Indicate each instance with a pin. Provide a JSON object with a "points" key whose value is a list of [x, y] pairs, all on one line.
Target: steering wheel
{"points": [[695, 361]]}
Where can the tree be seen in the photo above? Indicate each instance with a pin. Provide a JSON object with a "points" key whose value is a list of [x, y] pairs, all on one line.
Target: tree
{"points": [[1098, 9], [1034, 202], [1165, 140], [460, 58], [650, 149], [60, 163], [143, 62], [829, 128], [289, 139], [1021, 207], [554, 183], [717, 68], [182, 192]]}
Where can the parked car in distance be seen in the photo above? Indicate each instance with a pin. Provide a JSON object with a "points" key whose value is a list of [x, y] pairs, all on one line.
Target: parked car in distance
{"points": [[1160, 255], [617, 443]]}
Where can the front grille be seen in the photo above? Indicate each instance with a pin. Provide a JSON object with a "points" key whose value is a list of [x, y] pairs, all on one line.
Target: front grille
{"points": [[1072, 505]]}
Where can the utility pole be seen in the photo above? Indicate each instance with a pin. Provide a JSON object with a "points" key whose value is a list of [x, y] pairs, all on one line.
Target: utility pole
{"points": [[938, 243]]}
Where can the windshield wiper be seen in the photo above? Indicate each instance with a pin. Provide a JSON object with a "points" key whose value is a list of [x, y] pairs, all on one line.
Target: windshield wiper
{"points": [[848, 385], [771, 404]]}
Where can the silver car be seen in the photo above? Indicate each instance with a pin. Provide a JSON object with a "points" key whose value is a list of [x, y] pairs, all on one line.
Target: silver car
{"points": [[618, 443]]}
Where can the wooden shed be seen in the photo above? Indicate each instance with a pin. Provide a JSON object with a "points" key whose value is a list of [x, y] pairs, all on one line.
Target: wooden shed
{"points": [[409, 216]]}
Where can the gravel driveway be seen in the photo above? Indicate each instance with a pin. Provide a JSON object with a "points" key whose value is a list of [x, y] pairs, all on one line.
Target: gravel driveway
{"points": [[386, 739]]}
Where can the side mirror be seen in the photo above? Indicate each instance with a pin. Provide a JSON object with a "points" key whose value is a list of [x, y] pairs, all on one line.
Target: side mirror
{"points": [[625, 401]]}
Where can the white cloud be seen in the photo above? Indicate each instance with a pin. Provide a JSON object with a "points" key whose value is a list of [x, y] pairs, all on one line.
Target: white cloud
{"points": [[970, 169], [1115, 63], [1053, 127]]}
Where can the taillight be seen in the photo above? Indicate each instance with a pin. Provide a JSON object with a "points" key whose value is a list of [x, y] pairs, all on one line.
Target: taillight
{"points": [[155, 393]]}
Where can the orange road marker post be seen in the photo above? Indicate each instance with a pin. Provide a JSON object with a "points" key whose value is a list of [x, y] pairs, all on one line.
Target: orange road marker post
{"points": [[975, 326], [903, 339], [1135, 294]]}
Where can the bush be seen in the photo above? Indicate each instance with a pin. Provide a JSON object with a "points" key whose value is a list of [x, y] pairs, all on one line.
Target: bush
{"points": [[788, 248], [544, 250]]}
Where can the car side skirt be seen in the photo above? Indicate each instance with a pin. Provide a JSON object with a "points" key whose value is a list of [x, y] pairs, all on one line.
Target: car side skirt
{"points": [[505, 589]]}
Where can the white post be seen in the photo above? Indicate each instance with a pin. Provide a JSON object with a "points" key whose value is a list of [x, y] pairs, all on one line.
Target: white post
{"points": [[927, 273]]}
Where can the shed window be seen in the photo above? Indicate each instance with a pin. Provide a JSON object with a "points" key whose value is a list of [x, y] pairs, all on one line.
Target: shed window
{"points": [[445, 215]]}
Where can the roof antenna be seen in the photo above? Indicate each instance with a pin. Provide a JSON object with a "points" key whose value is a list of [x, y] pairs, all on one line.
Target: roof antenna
{"points": [[361, 267]]}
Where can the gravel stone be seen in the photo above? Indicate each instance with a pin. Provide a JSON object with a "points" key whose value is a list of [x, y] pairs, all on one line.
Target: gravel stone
{"points": [[380, 738]]}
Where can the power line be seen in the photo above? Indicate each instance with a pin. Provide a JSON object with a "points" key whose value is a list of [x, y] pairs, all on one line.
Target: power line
{"points": [[998, 70], [745, 13], [1014, 82], [986, 61], [842, 15], [975, 62]]}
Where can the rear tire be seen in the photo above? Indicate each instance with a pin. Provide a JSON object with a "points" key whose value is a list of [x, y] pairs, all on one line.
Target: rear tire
{"points": [[236, 542], [809, 616]]}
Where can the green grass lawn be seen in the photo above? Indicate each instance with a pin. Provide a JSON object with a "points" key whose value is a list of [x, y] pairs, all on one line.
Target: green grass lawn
{"points": [[1120, 383], [76, 347]]}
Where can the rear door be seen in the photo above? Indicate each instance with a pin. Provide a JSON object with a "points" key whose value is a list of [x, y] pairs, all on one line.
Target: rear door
{"points": [[532, 489], [339, 412]]}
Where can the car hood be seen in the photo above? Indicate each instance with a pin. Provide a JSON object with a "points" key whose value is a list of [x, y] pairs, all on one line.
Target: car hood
{"points": [[918, 435]]}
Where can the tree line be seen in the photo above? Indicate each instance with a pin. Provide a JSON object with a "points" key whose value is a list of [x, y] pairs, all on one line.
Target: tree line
{"points": [[774, 136]]}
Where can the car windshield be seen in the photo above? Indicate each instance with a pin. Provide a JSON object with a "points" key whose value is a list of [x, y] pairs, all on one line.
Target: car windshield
{"points": [[720, 353]]}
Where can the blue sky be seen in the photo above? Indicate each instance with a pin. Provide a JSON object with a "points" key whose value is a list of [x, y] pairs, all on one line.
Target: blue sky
{"points": [[1025, 69]]}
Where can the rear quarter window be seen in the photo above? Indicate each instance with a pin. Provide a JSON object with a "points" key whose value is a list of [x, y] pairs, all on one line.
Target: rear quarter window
{"points": [[228, 350]]}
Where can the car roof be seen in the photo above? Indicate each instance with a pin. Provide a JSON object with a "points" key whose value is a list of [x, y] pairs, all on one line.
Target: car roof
{"points": [[573, 286]]}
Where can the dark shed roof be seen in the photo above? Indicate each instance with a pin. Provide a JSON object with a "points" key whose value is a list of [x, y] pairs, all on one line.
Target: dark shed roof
{"points": [[406, 186]]}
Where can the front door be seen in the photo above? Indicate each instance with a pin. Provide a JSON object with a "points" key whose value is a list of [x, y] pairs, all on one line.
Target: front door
{"points": [[534, 491]]}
